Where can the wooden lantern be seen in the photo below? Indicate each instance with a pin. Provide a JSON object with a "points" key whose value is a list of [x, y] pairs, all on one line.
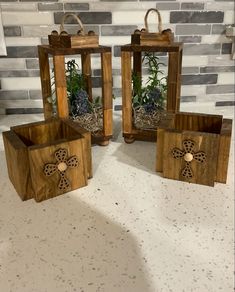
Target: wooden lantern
{"points": [[46, 159], [194, 147], [83, 45], [145, 42]]}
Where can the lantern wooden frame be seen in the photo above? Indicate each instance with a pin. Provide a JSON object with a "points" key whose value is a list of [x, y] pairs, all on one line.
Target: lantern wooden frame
{"points": [[174, 50], [58, 55]]}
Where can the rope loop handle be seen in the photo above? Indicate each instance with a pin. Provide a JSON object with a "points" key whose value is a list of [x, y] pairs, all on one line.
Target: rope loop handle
{"points": [[159, 20], [66, 15]]}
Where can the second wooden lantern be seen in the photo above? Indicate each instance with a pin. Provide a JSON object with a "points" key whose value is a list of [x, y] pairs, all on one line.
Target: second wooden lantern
{"points": [[144, 106], [73, 90]]}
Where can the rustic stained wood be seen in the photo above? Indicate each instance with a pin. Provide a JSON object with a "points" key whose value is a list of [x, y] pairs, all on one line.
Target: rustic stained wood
{"points": [[58, 55], [174, 50], [212, 136], [106, 69], [47, 187], [224, 149], [144, 37], [126, 95], [86, 70], [60, 86], [17, 164], [79, 40], [30, 147], [45, 81]]}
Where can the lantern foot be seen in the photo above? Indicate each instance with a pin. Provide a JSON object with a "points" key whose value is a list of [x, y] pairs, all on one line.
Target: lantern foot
{"points": [[129, 140]]}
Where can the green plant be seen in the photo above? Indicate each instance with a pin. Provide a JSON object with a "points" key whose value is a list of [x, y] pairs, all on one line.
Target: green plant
{"points": [[152, 96]]}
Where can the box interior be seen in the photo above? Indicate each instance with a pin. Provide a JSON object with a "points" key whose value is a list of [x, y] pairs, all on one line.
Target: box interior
{"points": [[199, 123], [44, 133]]}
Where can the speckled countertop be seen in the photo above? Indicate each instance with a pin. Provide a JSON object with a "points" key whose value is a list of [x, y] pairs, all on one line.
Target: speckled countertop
{"points": [[129, 230]]}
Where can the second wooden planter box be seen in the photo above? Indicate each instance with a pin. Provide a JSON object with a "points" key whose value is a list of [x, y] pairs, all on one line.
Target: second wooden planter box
{"points": [[194, 147]]}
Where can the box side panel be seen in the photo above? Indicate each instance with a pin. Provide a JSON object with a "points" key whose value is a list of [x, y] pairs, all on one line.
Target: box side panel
{"points": [[87, 148], [160, 148], [198, 122], [204, 145], [18, 165], [224, 149], [46, 187]]}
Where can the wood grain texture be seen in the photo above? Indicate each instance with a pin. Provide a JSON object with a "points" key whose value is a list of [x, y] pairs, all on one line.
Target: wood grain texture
{"points": [[203, 173], [35, 144], [224, 150], [87, 150], [106, 73], [73, 41], [60, 86], [86, 70], [74, 51], [126, 92], [45, 81], [151, 39], [16, 153], [211, 134], [160, 149], [47, 187], [173, 47], [174, 81]]}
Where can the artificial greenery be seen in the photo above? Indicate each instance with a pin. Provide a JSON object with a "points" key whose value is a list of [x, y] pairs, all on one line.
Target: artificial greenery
{"points": [[152, 96], [79, 102]]}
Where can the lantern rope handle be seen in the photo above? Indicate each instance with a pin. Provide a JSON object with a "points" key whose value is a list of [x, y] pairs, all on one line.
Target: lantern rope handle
{"points": [[159, 19], [75, 17]]}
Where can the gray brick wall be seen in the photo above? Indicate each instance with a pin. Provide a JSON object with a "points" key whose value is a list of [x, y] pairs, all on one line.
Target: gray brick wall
{"points": [[208, 71]]}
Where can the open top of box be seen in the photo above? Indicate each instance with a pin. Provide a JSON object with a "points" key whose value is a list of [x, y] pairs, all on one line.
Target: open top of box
{"points": [[41, 134], [195, 122]]}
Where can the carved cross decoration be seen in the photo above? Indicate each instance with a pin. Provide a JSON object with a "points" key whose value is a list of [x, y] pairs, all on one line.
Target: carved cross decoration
{"points": [[188, 154], [62, 164]]}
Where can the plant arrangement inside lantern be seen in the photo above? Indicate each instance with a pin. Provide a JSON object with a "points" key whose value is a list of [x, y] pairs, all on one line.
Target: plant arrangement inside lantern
{"points": [[83, 109], [149, 101]]}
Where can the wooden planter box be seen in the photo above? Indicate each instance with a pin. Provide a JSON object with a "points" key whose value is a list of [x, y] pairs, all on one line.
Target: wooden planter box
{"points": [[134, 51], [58, 55], [46, 159], [194, 147]]}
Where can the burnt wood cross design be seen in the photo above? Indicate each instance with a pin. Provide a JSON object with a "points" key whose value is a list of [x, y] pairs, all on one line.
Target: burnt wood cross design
{"points": [[62, 164], [188, 155]]}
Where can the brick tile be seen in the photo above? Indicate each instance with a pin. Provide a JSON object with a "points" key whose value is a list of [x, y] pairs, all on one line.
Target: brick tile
{"points": [[13, 94], [192, 6], [32, 64], [217, 69], [218, 89], [76, 6], [12, 31], [225, 103], [86, 18], [19, 73], [199, 79], [190, 98], [218, 28], [22, 52], [117, 30], [168, 6], [196, 17], [202, 49], [190, 29], [190, 39], [50, 6], [35, 94], [23, 111], [226, 48]]}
